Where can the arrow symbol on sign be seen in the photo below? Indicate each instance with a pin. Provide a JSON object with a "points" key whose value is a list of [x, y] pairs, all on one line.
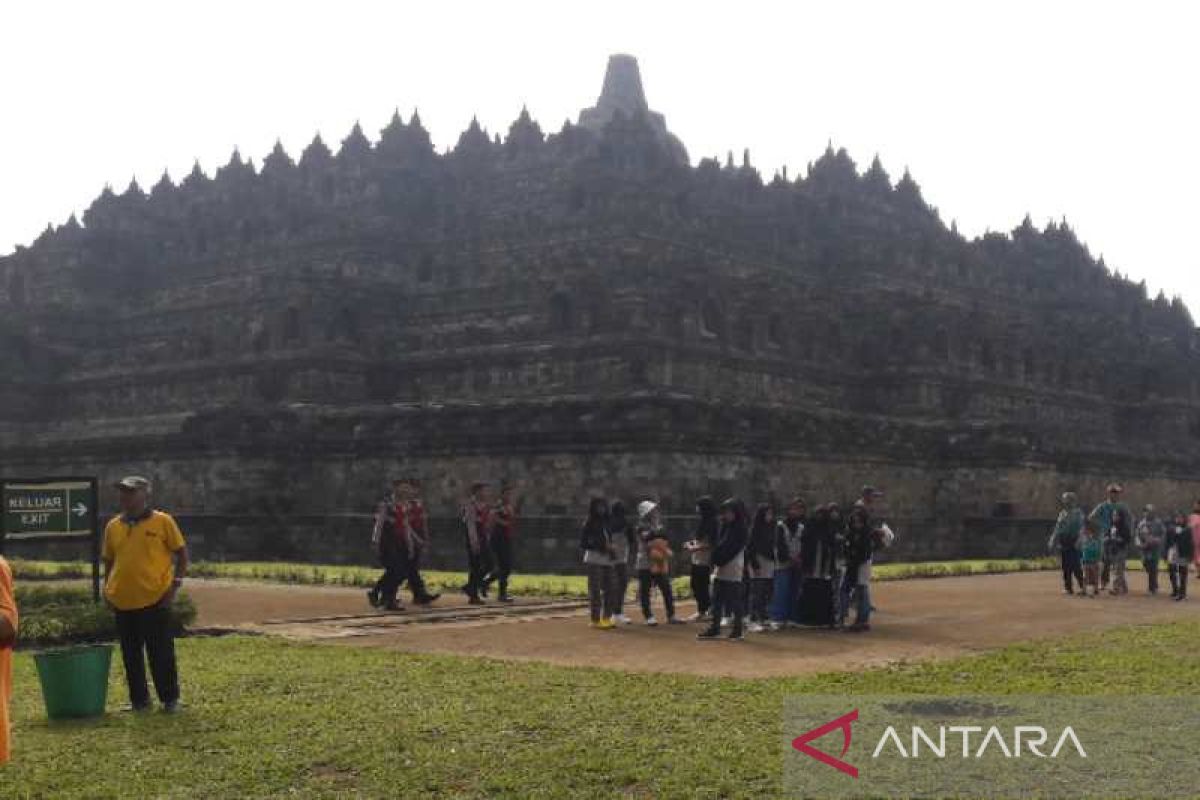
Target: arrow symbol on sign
{"points": [[80, 510]]}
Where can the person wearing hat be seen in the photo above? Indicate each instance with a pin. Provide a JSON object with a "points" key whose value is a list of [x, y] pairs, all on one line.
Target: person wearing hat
{"points": [[1065, 539], [1115, 522], [653, 562], [8, 637], [145, 559], [1149, 539]]}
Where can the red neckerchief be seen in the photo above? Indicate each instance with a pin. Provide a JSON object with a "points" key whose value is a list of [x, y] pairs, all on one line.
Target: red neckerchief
{"points": [[416, 516], [483, 517]]}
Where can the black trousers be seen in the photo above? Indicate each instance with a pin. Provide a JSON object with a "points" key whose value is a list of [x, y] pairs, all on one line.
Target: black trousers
{"points": [[646, 580], [1071, 568], [146, 634], [1179, 576], [412, 573], [502, 551], [1151, 567], [601, 583], [479, 564], [727, 601], [701, 580], [395, 569]]}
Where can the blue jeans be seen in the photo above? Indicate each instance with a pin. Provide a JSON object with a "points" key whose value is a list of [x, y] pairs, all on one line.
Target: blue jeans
{"points": [[783, 595]]}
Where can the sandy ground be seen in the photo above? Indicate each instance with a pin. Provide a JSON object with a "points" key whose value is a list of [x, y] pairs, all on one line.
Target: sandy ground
{"points": [[917, 620]]}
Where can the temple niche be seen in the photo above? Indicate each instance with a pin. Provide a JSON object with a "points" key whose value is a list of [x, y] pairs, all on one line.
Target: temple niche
{"points": [[570, 308]]}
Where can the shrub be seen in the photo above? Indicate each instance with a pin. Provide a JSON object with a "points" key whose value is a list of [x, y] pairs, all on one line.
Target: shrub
{"points": [[57, 615]]}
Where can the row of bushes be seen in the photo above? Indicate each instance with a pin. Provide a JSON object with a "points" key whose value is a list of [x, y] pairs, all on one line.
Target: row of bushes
{"points": [[561, 586], [52, 615]]}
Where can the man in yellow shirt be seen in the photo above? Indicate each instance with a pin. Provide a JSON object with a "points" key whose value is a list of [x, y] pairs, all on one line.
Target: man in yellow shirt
{"points": [[145, 560], [8, 635]]}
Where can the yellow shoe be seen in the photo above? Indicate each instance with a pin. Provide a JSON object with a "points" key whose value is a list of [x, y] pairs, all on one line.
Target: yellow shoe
{"points": [[606, 623]]}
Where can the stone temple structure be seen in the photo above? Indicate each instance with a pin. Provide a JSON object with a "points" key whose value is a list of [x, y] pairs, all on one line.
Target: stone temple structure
{"points": [[578, 312]]}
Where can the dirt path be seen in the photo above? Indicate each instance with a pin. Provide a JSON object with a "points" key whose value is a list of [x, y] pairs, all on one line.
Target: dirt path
{"points": [[917, 620]]}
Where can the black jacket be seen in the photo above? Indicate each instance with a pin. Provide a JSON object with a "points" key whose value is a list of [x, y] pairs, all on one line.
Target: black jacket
{"points": [[762, 542], [818, 545], [860, 542], [731, 540], [1181, 539], [594, 535]]}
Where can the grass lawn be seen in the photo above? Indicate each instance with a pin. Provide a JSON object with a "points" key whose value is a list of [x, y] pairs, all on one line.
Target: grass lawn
{"points": [[566, 586], [271, 718]]}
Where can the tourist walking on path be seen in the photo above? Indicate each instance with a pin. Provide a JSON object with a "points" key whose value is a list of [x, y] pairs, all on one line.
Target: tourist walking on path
{"points": [[1065, 539], [1117, 543], [401, 535], [623, 538], [1104, 514], [387, 538], [700, 552], [1193, 522], [728, 560], [1089, 557], [1149, 539], [1181, 550], [788, 533], [653, 562], [503, 535], [8, 637], [863, 536], [596, 544], [145, 559], [478, 518], [760, 564]]}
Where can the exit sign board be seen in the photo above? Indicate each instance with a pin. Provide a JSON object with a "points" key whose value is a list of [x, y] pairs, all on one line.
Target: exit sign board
{"points": [[48, 508]]}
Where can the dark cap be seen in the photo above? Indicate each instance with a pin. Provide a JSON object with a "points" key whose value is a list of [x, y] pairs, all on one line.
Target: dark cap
{"points": [[133, 483]]}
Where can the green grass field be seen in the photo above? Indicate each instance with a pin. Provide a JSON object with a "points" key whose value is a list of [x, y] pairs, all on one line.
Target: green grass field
{"points": [[566, 586], [268, 718]]}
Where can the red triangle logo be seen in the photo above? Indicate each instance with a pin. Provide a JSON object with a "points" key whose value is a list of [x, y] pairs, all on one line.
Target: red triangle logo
{"points": [[843, 722]]}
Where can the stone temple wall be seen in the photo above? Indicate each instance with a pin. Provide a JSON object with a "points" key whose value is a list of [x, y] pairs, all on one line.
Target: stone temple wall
{"points": [[580, 312]]}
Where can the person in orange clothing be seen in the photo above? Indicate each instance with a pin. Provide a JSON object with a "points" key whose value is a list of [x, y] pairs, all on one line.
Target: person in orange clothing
{"points": [[8, 635]]}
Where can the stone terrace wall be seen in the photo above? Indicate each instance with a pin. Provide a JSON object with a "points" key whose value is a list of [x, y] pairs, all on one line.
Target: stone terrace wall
{"points": [[545, 544]]}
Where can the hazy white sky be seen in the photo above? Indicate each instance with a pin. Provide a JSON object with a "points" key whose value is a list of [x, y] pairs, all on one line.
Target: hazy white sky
{"points": [[1087, 110]]}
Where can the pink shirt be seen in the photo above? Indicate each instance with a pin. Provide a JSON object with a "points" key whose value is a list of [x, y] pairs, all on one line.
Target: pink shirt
{"points": [[1194, 524]]}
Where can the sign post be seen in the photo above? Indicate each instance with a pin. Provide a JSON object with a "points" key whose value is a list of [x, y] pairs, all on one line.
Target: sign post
{"points": [[52, 509]]}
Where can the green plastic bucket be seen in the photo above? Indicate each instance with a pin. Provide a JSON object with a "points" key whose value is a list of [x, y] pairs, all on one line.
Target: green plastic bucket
{"points": [[75, 680]]}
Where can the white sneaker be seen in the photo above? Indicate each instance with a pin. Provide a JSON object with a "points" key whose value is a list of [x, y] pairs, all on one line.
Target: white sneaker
{"points": [[776, 626], [695, 617], [621, 618], [754, 627], [726, 622], [650, 620]]}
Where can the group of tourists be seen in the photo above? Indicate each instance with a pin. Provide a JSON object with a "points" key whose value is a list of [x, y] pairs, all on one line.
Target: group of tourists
{"points": [[401, 537], [1094, 547], [750, 573]]}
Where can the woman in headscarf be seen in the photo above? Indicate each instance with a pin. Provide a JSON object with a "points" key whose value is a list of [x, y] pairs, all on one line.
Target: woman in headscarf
{"points": [[728, 559]]}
